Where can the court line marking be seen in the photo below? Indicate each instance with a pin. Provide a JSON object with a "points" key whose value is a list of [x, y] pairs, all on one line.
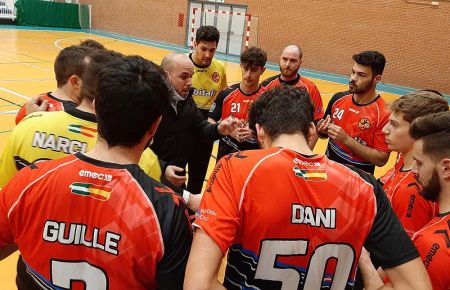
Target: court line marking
{"points": [[14, 93], [324, 76], [56, 43], [12, 112]]}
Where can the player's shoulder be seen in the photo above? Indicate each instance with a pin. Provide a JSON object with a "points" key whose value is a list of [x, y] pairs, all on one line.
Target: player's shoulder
{"points": [[341, 95], [229, 90], [307, 81], [267, 81], [218, 64]]}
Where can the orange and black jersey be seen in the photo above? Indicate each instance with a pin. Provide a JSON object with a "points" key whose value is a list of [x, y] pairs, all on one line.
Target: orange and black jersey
{"points": [[232, 101], [297, 221], [403, 191], [364, 123], [299, 82], [433, 243], [54, 104], [78, 220]]}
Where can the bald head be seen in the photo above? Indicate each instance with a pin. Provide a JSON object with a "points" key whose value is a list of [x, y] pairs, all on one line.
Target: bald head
{"points": [[290, 61], [180, 69], [174, 60], [294, 50]]}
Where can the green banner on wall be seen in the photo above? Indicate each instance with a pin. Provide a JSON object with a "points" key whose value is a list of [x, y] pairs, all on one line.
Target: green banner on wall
{"points": [[45, 13]]}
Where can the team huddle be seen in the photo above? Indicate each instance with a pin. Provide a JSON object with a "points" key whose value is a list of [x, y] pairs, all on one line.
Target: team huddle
{"points": [[101, 180]]}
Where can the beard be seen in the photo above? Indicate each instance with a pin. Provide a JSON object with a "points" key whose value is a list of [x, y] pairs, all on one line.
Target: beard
{"points": [[289, 73], [360, 90], [431, 190]]}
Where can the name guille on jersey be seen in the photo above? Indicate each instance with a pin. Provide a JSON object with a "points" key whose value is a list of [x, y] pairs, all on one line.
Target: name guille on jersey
{"points": [[77, 234]]}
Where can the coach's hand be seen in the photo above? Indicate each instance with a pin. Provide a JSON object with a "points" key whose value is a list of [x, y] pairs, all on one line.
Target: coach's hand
{"points": [[227, 126], [172, 177]]}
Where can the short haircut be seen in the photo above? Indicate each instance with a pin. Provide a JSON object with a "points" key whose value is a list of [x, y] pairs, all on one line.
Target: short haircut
{"points": [[254, 56], [419, 103], [372, 58], [69, 62], [94, 44], [132, 93], [434, 130], [94, 63], [282, 110], [207, 33]]}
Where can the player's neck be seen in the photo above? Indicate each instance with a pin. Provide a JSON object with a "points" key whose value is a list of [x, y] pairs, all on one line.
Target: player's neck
{"points": [[115, 154], [408, 161], [86, 106], [444, 198], [366, 97], [63, 93], [295, 142], [249, 90], [196, 61], [288, 79]]}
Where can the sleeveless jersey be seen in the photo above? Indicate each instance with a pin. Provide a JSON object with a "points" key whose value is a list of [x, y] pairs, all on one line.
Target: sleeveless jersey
{"points": [[233, 102], [54, 104], [79, 221], [51, 135], [297, 222], [299, 82], [433, 244], [207, 82], [403, 191], [364, 123]]}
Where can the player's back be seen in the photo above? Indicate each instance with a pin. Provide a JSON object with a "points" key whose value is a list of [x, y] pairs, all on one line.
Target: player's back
{"points": [[79, 220], [296, 212]]}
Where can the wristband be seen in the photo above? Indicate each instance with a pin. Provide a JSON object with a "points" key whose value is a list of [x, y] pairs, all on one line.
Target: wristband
{"points": [[186, 195]]}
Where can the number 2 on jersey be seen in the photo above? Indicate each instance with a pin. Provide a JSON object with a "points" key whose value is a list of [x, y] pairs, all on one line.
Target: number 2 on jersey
{"points": [[290, 278], [64, 272]]}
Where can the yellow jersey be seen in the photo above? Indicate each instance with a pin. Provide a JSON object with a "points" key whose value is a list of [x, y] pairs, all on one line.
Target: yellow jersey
{"points": [[207, 82], [52, 135]]}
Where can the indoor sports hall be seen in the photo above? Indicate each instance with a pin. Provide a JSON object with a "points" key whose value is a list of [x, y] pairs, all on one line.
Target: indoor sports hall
{"points": [[413, 34]]}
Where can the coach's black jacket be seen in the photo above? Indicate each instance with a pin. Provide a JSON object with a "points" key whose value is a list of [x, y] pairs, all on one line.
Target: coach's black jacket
{"points": [[174, 139]]}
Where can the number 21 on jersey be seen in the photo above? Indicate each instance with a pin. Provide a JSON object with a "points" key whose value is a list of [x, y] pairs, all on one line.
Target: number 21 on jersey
{"points": [[235, 107]]}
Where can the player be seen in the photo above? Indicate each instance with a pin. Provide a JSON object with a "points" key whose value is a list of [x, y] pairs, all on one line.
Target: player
{"points": [[68, 72], [355, 119], [236, 101], [96, 220], [208, 80], [51, 135], [432, 155], [291, 219], [399, 183], [290, 61]]}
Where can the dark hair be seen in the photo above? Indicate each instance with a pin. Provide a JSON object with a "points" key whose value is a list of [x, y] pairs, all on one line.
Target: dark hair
{"points": [[419, 103], [434, 130], [254, 56], [207, 33], [282, 110], [94, 63], [69, 62], [132, 93], [92, 44], [372, 58]]}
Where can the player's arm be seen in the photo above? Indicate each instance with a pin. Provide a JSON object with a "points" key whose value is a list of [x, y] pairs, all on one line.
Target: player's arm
{"points": [[391, 247], [215, 113], [374, 156], [323, 124], [177, 236], [203, 264], [7, 163]]}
